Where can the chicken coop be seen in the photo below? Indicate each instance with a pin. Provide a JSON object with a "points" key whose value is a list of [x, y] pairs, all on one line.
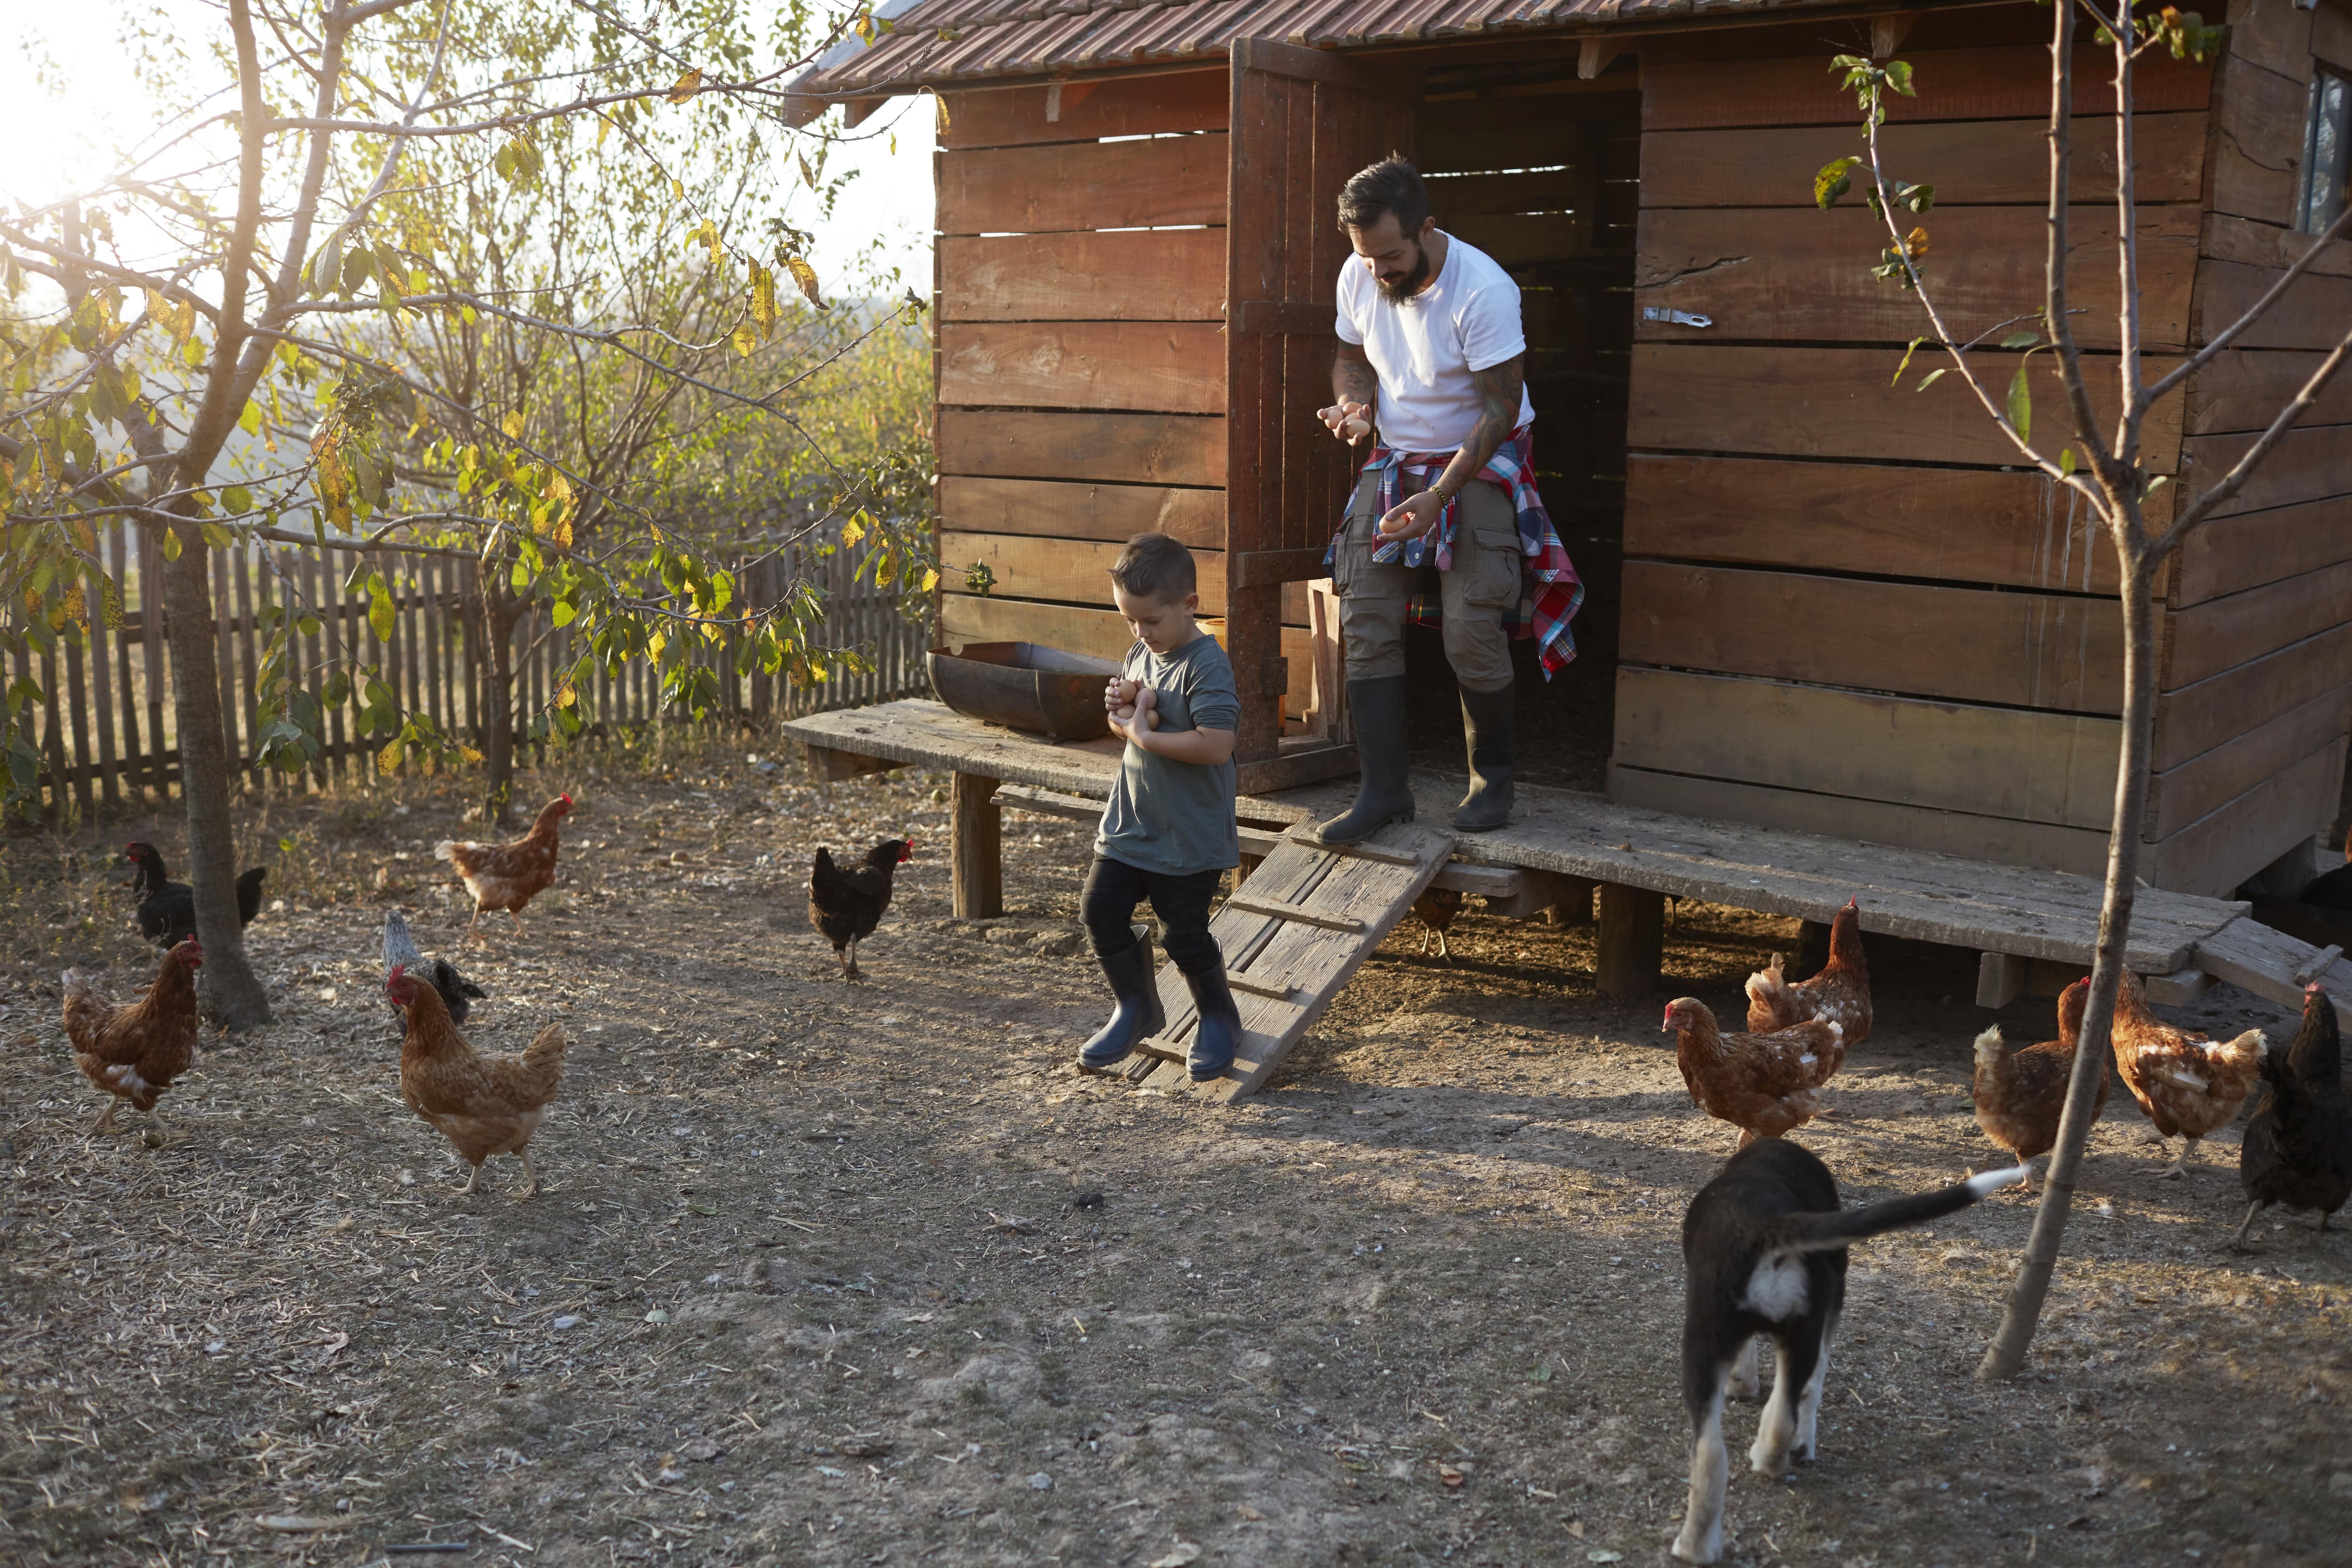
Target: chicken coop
{"points": [[1817, 601]]}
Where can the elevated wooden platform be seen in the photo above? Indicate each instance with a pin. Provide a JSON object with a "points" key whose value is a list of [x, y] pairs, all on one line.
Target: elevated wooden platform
{"points": [[2014, 916]]}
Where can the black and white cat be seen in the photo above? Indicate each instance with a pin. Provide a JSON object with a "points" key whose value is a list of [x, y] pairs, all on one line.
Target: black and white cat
{"points": [[1764, 1253]]}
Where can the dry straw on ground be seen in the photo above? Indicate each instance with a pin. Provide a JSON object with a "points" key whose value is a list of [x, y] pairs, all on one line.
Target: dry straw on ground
{"points": [[835, 1274]]}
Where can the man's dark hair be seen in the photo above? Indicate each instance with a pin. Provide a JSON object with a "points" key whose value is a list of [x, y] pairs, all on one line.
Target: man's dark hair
{"points": [[1392, 186], [1154, 567]]}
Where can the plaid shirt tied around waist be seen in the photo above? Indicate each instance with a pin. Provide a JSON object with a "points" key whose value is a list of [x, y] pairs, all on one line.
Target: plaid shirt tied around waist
{"points": [[1550, 592]]}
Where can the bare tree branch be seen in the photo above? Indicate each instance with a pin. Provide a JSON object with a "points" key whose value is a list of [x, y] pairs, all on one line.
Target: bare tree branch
{"points": [[2228, 485], [2271, 296]]}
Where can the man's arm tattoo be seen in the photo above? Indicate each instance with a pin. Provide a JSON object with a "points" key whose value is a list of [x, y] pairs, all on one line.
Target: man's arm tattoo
{"points": [[1353, 380]]}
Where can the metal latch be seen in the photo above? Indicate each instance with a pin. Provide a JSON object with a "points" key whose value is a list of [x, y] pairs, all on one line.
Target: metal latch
{"points": [[1678, 318]]}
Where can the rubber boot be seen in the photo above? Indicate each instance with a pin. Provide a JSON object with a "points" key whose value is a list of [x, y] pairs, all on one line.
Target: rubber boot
{"points": [[1486, 730], [1139, 1011], [1376, 709], [1220, 1031]]}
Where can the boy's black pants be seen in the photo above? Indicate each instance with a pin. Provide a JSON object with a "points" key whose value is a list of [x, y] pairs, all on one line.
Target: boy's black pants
{"points": [[1113, 890]]}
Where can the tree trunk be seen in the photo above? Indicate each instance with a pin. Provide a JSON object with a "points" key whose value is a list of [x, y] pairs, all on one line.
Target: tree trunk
{"points": [[498, 616], [233, 997], [2005, 1357]]}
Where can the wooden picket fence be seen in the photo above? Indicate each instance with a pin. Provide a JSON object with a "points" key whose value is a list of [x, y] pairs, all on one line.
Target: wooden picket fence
{"points": [[106, 733]]}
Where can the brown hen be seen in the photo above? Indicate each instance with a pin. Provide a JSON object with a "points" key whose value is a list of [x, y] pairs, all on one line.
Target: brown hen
{"points": [[2021, 1093], [1435, 910], [134, 1050], [1761, 1084], [483, 1105], [509, 876], [1838, 994], [2187, 1084]]}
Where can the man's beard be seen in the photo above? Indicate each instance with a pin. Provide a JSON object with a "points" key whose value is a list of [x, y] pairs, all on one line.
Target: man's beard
{"points": [[1400, 290]]}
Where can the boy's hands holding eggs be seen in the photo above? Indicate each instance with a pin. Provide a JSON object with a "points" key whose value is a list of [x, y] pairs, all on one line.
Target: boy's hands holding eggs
{"points": [[1130, 703]]}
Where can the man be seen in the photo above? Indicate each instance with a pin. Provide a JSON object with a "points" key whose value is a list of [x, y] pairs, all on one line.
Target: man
{"points": [[1430, 362]]}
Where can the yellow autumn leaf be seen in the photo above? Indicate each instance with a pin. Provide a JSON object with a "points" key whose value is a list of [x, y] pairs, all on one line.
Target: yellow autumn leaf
{"points": [[565, 696], [763, 299], [686, 86], [852, 531], [930, 581], [512, 424], [805, 276], [746, 338], [603, 128]]}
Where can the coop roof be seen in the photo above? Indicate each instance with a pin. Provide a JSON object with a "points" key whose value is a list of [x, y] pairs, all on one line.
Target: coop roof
{"points": [[934, 42]]}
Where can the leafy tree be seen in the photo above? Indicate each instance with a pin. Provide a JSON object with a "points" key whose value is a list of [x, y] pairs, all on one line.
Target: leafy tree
{"points": [[445, 274], [2102, 463]]}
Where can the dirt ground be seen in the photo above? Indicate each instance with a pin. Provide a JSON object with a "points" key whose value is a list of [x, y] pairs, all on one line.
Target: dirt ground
{"points": [[865, 1274]]}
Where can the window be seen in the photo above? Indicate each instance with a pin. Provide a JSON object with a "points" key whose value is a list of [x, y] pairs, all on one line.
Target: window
{"points": [[2324, 164]]}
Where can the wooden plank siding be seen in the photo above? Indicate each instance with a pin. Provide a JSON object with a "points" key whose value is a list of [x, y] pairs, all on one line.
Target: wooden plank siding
{"points": [[1066, 571], [1054, 508], [1135, 448], [1970, 163], [2051, 768], [1081, 259], [2052, 651], [1086, 112], [1162, 181], [1758, 399], [1083, 352], [2005, 83], [1844, 608], [1132, 274], [1791, 273], [1171, 367], [2253, 701], [1962, 525]]}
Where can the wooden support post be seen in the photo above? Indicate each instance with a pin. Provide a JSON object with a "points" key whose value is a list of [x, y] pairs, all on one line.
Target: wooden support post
{"points": [[1887, 33], [1633, 946], [1595, 55], [1574, 906], [1242, 872], [2000, 979], [979, 847]]}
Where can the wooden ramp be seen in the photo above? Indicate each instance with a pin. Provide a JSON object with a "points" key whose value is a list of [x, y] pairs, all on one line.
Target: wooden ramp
{"points": [[1292, 934]]}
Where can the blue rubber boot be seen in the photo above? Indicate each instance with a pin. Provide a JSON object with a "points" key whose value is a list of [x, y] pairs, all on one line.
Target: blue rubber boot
{"points": [[1139, 1012], [1219, 1030]]}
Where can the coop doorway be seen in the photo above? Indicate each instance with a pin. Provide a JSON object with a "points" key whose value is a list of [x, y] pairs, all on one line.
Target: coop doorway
{"points": [[1542, 170]]}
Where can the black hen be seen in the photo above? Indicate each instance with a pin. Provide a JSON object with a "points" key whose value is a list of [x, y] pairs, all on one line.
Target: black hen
{"points": [[846, 906], [2333, 891], [167, 910], [458, 994], [2298, 1146]]}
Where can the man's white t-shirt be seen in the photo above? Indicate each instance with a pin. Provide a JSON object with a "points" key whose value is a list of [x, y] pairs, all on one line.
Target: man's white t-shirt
{"points": [[1424, 348]]}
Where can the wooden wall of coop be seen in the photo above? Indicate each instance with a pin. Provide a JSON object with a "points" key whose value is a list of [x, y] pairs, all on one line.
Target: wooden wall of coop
{"points": [[1828, 602], [1844, 611], [1083, 398]]}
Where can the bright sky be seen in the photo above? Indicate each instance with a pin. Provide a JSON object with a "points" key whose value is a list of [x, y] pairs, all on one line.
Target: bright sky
{"points": [[57, 142]]}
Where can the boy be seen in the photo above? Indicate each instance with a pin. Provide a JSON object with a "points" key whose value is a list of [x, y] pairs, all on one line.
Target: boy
{"points": [[1168, 834]]}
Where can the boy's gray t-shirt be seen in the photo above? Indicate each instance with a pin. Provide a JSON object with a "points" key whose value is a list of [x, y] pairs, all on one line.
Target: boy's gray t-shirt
{"points": [[1165, 815]]}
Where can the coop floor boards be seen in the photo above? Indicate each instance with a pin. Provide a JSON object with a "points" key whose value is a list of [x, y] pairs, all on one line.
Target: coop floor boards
{"points": [[1903, 892], [1292, 934]]}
